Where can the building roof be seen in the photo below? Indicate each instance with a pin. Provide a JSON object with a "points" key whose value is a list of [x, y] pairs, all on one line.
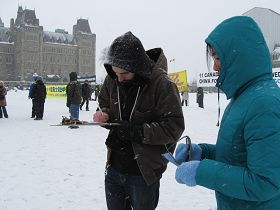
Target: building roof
{"points": [[26, 17], [5, 34], [58, 38], [261, 8], [82, 26]]}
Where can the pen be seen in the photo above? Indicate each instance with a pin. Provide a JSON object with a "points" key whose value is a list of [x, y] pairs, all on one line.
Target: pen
{"points": [[99, 109]]}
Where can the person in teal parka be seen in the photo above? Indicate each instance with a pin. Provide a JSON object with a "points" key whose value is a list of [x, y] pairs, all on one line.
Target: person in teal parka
{"points": [[243, 166]]}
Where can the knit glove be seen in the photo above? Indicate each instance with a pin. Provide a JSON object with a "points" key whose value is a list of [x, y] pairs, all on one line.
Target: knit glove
{"points": [[186, 172], [181, 154], [130, 132]]}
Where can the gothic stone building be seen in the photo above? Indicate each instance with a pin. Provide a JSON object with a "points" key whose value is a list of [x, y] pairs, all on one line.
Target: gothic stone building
{"points": [[25, 49]]}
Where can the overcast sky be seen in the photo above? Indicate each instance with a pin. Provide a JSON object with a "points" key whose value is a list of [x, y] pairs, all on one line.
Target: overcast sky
{"points": [[178, 26]]}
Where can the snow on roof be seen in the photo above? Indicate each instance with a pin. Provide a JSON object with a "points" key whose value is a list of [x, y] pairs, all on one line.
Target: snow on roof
{"points": [[276, 50], [58, 37]]}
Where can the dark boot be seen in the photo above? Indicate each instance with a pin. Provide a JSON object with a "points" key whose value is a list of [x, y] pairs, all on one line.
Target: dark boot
{"points": [[1, 114], [5, 112]]}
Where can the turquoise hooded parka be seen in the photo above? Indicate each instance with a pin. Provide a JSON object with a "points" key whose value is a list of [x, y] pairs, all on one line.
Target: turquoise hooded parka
{"points": [[244, 166]]}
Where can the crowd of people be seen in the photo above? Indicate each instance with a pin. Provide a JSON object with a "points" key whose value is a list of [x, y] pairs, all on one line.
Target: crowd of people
{"points": [[77, 95]]}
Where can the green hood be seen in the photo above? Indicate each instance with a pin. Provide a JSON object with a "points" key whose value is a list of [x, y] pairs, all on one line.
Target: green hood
{"points": [[243, 52]]}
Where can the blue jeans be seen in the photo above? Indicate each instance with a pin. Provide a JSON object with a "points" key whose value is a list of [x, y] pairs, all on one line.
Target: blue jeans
{"points": [[74, 111], [125, 192]]}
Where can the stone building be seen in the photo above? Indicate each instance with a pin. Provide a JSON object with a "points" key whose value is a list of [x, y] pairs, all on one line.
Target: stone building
{"points": [[25, 49]]}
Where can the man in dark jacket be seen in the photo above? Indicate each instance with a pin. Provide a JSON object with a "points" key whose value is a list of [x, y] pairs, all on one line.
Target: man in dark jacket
{"points": [[137, 94], [74, 95], [86, 94], [38, 95]]}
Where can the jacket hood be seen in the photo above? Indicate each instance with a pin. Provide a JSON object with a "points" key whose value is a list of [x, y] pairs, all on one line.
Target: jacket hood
{"points": [[243, 52], [127, 52], [73, 76], [158, 57]]}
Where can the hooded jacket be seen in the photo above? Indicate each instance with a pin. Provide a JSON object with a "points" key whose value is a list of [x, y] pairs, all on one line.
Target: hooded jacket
{"points": [[73, 90], [157, 108], [243, 167], [39, 91]]}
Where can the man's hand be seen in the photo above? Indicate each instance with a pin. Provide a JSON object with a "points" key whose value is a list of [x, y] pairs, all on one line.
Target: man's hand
{"points": [[129, 132], [100, 117]]}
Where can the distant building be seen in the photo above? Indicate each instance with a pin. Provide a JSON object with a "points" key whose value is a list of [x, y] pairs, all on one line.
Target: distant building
{"points": [[269, 22], [25, 49]]}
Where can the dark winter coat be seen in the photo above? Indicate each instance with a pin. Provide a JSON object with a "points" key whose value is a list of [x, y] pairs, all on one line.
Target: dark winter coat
{"points": [[3, 93], [243, 167], [157, 109], [39, 92], [86, 91], [74, 93]]}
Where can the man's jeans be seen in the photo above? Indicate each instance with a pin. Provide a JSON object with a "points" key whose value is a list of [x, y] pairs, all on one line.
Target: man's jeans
{"points": [[74, 111], [123, 191]]}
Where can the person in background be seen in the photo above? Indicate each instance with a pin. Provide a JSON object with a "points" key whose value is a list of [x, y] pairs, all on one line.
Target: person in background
{"points": [[138, 95], [185, 98], [243, 166], [74, 95], [38, 96], [96, 92], [200, 97], [35, 77], [86, 94], [3, 102]]}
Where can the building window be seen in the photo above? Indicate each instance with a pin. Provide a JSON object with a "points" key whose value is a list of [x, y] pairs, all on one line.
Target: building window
{"points": [[8, 60]]}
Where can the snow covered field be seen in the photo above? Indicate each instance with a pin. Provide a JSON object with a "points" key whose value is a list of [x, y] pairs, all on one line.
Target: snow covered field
{"points": [[56, 168]]}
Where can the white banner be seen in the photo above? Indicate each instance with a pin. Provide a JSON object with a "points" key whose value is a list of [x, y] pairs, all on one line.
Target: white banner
{"points": [[276, 75], [207, 79], [90, 79]]}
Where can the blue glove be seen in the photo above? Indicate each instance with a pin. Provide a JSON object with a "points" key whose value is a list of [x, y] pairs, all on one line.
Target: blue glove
{"points": [[181, 153], [186, 172]]}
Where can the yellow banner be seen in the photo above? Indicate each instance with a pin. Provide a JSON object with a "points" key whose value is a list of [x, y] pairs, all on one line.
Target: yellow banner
{"points": [[56, 91], [181, 80]]}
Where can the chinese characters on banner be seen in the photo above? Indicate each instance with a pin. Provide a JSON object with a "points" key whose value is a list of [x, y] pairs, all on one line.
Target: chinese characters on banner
{"points": [[181, 80]]}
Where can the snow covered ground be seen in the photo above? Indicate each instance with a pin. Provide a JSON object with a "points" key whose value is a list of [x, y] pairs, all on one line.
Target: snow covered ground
{"points": [[56, 168]]}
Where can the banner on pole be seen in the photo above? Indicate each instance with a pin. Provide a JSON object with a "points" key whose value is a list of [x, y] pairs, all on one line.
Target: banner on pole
{"points": [[90, 79], [207, 79], [180, 79]]}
